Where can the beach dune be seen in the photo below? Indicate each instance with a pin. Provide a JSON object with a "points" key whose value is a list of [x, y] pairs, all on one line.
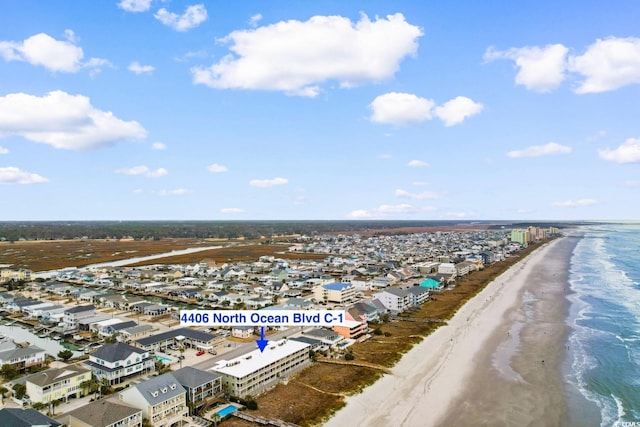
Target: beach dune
{"points": [[496, 362]]}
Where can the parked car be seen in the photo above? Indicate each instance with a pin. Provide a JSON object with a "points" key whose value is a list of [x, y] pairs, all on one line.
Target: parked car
{"points": [[200, 353]]}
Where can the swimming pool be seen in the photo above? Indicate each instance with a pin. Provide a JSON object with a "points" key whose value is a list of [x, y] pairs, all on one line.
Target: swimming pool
{"points": [[164, 360], [226, 410]]}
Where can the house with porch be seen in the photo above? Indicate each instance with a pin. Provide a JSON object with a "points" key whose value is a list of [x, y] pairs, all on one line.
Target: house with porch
{"points": [[119, 361], [162, 399], [201, 386]]}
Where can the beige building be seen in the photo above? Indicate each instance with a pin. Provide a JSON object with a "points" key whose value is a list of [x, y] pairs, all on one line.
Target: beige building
{"points": [[161, 399], [336, 292], [54, 384]]}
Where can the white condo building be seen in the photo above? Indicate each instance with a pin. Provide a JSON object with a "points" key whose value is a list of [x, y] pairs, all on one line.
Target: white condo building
{"points": [[256, 371]]}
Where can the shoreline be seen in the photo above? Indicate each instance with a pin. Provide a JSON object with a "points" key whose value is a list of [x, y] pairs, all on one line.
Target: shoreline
{"points": [[445, 372]]}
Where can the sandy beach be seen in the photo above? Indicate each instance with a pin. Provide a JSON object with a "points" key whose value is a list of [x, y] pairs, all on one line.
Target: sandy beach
{"points": [[497, 362]]}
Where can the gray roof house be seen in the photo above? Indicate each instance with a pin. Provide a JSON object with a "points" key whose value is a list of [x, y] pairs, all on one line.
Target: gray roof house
{"points": [[118, 361], [14, 417], [200, 385], [103, 413], [162, 399]]}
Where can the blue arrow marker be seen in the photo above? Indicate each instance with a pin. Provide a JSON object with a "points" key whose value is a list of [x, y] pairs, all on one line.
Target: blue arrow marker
{"points": [[262, 343]]}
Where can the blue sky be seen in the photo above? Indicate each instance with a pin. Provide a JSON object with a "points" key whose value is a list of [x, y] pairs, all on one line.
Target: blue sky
{"points": [[153, 109]]}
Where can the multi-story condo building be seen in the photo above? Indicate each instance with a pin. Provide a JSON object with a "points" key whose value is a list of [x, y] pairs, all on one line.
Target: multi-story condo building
{"points": [[118, 361], [20, 274], [257, 371], [395, 299], [520, 236], [54, 384], [161, 399], [340, 293], [201, 386], [351, 329]]}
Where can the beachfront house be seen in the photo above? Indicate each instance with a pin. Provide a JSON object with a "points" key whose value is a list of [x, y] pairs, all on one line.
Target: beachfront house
{"points": [[119, 361], [161, 399], [201, 386]]}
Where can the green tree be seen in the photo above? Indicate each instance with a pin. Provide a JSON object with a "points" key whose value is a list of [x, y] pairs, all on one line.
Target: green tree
{"points": [[349, 356], [146, 422], [3, 392], [8, 372], [39, 406], [65, 354], [111, 339], [52, 406], [20, 390]]}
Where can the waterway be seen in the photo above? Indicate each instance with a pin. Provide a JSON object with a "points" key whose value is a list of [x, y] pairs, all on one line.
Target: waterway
{"points": [[123, 262], [20, 334]]}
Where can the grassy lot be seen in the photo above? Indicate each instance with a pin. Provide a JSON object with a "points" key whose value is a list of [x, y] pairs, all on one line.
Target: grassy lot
{"points": [[45, 255], [246, 252]]}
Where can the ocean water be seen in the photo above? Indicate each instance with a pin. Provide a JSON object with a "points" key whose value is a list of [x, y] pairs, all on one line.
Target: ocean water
{"points": [[604, 342]]}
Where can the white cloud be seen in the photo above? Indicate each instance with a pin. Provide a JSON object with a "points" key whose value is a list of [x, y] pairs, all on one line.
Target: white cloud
{"points": [[144, 171], [387, 211], [136, 68], [400, 109], [360, 214], [13, 175], [454, 112], [138, 191], [71, 36], [385, 156], [253, 21], [631, 183], [540, 150], [576, 203], [63, 121], [176, 192], [540, 69], [55, 55], [406, 108], [461, 215], [608, 64], [231, 210], [268, 182], [192, 17], [296, 57], [4, 150], [417, 164], [423, 195], [159, 146], [629, 152], [216, 168], [135, 5]]}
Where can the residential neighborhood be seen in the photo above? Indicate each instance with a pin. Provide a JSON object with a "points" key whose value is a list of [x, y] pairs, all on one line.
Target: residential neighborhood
{"points": [[132, 362]]}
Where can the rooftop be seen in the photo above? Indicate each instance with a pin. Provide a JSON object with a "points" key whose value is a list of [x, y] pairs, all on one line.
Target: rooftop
{"points": [[255, 360]]}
